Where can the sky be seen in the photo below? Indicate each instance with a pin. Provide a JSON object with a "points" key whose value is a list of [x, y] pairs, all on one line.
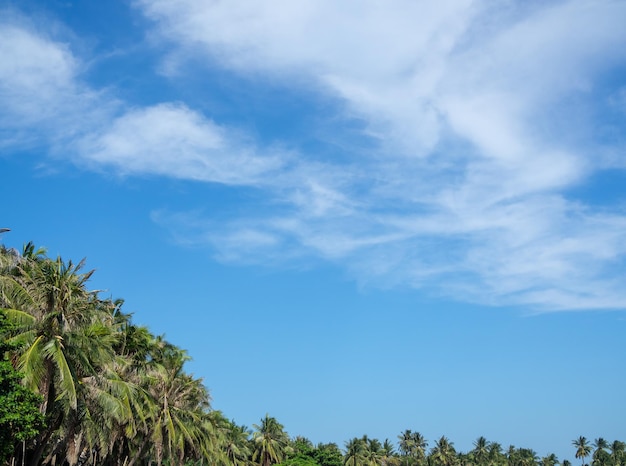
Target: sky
{"points": [[357, 217]]}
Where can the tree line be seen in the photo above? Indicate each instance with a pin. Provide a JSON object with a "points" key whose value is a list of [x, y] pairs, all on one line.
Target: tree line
{"points": [[81, 384]]}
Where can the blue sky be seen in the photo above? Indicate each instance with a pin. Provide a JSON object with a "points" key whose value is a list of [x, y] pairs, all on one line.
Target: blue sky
{"points": [[358, 217]]}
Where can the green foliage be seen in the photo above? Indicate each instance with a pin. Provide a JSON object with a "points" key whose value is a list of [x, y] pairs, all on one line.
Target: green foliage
{"points": [[20, 418], [328, 454], [583, 449], [300, 460], [412, 447], [271, 442], [302, 446]]}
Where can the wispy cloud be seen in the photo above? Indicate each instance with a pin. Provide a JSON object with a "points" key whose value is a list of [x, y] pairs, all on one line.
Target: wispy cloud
{"points": [[47, 102], [38, 89], [483, 114], [479, 118], [172, 140]]}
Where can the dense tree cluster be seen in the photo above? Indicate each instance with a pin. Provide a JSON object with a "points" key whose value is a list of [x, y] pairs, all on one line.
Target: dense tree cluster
{"points": [[20, 418], [80, 384]]}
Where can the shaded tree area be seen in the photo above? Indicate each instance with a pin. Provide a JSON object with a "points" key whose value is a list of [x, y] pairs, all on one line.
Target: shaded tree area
{"points": [[81, 384], [20, 418]]}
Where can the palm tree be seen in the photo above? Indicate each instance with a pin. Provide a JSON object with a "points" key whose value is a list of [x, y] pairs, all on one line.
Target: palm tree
{"points": [[58, 328], [373, 451], [480, 453], [549, 460], [495, 455], [388, 454], [237, 444], [600, 455], [170, 409], [583, 449], [112, 392], [406, 444], [527, 457], [512, 455], [443, 453], [271, 442], [50, 300], [181, 402], [420, 445], [412, 447], [618, 453], [355, 452]]}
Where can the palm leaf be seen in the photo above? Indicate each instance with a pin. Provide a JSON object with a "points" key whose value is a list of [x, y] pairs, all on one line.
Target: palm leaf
{"points": [[54, 350], [31, 364]]}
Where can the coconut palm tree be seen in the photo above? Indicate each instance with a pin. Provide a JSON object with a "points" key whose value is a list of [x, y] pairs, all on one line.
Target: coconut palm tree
{"points": [[480, 453], [112, 392], [412, 447], [237, 444], [600, 455], [495, 455], [512, 455], [550, 460], [406, 444], [618, 453], [527, 457], [271, 442], [181, 402], [60, 332], [48, 299], [355, 452], [373, 451], [443, 453], [583, 449], [388, 454]]}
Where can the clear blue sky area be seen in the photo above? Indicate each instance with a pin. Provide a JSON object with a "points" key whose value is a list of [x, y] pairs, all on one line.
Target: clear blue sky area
{"points": [[358, 218]]}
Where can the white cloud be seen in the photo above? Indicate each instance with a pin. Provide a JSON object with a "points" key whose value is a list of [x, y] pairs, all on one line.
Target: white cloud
{"points": [[172, 140], [476, 92], [34, 77], [46, 102], [479, 115], [383, 58]]}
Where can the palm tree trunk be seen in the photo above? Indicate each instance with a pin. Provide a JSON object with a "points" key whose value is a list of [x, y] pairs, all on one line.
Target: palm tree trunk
{"points": [[42, 441]]}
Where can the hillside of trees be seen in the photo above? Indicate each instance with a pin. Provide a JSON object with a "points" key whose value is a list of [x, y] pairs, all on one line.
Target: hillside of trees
{"points": [[81, 384]]}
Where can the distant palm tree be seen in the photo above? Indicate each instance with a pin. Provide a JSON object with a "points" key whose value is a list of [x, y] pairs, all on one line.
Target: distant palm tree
{"points": [[412, 447], [527, 457], [443, 453], [355, 450], [618, 453], [512, 455], [583, 449], [271, 442], [388, 454], [237, 444], [406, 445], [496, 457], [600, 455], [480, 452], [550, 460]]}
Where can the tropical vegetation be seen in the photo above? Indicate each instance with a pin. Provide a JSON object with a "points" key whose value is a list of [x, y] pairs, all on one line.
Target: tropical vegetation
{"points": [[81, 384]]}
